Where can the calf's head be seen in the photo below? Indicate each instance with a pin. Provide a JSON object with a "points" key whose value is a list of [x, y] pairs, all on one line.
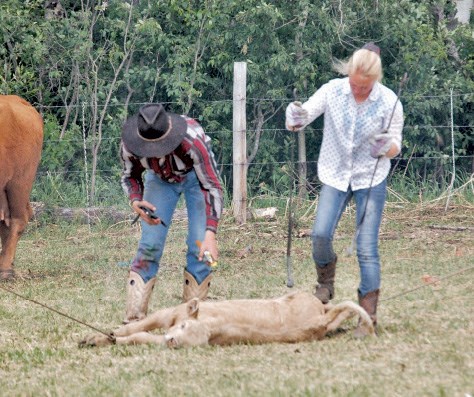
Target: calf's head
{"points": [[187, 333]]}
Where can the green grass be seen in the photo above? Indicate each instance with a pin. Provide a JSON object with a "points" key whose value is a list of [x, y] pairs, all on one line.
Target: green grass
{"points": [[425, 346]]}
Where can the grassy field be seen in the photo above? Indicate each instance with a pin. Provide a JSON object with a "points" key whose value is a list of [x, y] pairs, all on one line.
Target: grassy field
{"points": [[425, 345]]}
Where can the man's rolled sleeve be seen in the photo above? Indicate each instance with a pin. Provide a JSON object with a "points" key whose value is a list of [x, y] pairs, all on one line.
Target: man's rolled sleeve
{"points": [[132, 170]]}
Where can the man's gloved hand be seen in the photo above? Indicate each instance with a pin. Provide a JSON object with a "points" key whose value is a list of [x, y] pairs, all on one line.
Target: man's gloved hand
{"points": [[296, 116], [380, 144]]}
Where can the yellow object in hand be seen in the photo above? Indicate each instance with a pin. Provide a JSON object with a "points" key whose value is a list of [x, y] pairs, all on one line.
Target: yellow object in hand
{"points": [[207, 256], [209, 259]]}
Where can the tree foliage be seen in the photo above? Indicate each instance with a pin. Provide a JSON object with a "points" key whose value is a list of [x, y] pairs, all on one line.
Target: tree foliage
{"points": [[90, 65]]}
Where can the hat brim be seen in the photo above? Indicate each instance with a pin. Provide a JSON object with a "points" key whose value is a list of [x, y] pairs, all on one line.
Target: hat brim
{"points": [[142, 147]]}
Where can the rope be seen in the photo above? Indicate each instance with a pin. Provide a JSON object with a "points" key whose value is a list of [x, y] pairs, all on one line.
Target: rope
{"points": [[425, 285], [58, 312], [110, 337]]}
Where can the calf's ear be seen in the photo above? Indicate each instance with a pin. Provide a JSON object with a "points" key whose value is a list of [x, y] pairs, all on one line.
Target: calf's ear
{"points": [[193, 308]]}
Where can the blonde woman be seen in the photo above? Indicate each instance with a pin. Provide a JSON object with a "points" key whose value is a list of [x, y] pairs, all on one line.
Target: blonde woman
{"points": [[360, 136]]}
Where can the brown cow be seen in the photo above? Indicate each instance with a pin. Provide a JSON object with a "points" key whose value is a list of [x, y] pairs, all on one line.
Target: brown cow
{"points": [[295, 317], [21, 140]]}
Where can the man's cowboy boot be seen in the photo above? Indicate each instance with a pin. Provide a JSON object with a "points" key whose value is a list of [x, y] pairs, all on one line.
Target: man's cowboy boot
{"points": [[191, 289], [138, 296], [325, 287], [369, 304]]}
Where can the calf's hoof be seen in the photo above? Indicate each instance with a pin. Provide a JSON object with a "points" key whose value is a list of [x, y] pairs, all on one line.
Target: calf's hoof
{"points": [[7, 274], [363, 331], [96, 340]]}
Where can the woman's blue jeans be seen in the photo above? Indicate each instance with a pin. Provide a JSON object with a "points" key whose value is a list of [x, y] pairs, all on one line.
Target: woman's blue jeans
{"points": [[332, 203], [164, 196]]}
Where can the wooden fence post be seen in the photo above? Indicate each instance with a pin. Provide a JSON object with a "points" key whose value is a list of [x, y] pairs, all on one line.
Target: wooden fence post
{"points": [[239, 143]]}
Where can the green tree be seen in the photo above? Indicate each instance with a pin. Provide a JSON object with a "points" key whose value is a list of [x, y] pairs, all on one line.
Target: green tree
{"points": [[90, 66]]}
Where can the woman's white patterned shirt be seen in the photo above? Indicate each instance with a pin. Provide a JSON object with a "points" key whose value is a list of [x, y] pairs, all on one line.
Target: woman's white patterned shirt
{"points": [[344, 158]]}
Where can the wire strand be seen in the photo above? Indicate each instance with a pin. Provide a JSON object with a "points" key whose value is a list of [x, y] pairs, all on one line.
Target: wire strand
{"points": [[427, 284]]}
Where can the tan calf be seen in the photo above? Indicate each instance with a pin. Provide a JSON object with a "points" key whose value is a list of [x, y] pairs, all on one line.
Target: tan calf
{"points": [[295, 317]]}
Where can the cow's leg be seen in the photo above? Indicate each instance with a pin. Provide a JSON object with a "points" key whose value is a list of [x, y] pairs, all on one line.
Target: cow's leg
{"points": [[17, 195], [119, 335], [6, 272], [9, 244], [4, 209], [134, 339], [160, 319], [345, 310], [157, 320], [97, 340], [10, 236], [147, 324], [140, 338], [4, 221]]}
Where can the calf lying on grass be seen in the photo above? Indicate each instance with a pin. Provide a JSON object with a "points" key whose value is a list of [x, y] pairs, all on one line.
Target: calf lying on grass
{"points": [[295, 317]]}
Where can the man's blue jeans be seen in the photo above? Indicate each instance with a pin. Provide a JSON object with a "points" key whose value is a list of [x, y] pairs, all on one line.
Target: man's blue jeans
{"points": [[164, 196], [332, 203]]}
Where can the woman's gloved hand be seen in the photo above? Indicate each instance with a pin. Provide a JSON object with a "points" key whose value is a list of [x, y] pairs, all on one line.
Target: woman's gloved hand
{"points": [[296, 116]]}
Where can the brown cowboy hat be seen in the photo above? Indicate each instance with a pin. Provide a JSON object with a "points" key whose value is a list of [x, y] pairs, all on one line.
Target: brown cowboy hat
{"points": [[153, 132]]}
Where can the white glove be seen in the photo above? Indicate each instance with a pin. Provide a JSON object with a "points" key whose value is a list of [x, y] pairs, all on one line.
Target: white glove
{"points": [[380, 144], [296, 116]]}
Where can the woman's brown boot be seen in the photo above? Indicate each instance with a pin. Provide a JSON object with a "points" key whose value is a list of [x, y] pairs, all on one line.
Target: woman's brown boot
{"points": [[369, 303], [325, 287]]}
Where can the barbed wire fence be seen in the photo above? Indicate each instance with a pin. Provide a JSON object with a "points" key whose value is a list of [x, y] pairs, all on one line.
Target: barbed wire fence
{"points": [[113, 175]]}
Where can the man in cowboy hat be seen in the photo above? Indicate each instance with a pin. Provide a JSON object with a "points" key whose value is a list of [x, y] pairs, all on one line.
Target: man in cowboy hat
{"points": [[176, 156]]}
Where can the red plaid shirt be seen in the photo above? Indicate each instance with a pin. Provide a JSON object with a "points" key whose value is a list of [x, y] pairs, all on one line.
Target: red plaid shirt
{"points": [[194, 152]]}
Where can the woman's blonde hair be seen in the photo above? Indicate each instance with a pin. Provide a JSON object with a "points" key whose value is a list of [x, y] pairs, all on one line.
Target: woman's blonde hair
{"points": [[364, 61]]}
